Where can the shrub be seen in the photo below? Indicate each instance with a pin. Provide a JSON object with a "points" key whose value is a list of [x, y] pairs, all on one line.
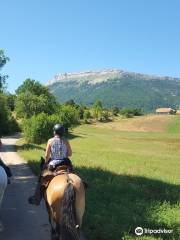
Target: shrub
{"points": [[130, 112], [68, 115], [86, 116], [37, 129], [97, 110], [81, 112], [105, 116], [115, 111]]}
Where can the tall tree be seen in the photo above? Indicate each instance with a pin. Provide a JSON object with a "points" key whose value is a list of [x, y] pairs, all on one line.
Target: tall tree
{"points": [[34, 98], [3, 61]]}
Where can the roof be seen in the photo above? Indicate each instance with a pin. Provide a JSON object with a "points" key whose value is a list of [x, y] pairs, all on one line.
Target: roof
{"points": [[164, 110]]}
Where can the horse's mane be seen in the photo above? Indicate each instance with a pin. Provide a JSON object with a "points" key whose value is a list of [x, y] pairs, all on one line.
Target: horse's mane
{"points": [[68, 230]]}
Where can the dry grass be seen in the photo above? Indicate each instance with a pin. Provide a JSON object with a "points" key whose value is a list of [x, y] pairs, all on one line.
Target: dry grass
{"points": [[148, 123]]}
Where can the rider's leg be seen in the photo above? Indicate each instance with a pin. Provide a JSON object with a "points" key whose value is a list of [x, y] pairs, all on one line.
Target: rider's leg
{"points": [[37, 197]]}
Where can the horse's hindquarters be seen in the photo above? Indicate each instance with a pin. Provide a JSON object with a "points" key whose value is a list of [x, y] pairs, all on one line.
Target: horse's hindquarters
{"points": [[3, 183], [55, 193]]}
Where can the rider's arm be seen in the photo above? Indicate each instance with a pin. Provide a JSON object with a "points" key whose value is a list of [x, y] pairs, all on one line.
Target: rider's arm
{"points": [[48, 152], [69, 149]]}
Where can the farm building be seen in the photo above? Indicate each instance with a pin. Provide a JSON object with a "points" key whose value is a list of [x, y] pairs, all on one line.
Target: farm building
{"points": [[165, 111], [178, 111]]}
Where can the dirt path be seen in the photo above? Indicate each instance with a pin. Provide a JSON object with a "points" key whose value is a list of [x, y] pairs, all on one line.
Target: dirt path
{"points": [[21, 220]]}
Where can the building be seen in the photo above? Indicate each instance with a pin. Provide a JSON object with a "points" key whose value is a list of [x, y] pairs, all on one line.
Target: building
{"points": [[178, 111], [165, 111]]}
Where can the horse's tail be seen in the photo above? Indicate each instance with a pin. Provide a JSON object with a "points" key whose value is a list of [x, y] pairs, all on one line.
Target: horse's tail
{"points": [[68, 229]]}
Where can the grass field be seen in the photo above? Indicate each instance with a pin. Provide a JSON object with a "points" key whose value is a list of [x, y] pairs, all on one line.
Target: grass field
{"points": [[134, 178]]}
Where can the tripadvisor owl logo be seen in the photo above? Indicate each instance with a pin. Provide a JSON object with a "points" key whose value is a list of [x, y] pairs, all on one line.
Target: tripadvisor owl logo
{"points": [[139, 231]]}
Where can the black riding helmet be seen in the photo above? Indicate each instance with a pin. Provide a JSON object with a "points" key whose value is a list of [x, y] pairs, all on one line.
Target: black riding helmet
{"points": [[59, 129]]}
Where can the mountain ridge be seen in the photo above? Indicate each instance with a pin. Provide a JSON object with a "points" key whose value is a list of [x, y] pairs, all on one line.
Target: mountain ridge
{"points": [[111, 73], [117, 88]]}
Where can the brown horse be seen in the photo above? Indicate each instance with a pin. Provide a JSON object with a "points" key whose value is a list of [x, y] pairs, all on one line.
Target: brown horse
{"points": [[65, 201]]}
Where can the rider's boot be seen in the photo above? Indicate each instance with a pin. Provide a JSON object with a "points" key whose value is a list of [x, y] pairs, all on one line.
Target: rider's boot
{"points": [[36, 198]]}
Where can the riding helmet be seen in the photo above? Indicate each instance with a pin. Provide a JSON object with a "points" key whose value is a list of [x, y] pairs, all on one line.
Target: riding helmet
{"points": [[59, 129]]}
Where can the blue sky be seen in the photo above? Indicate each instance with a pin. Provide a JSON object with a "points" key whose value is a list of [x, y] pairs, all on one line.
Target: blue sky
{"points": [[43, 37]]}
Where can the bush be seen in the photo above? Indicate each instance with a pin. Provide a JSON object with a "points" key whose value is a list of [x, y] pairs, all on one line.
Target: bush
{"points": [[68, 115], [115, 111], [86, 116], [130, 112], [97, 110], [81, 112], [105, 116], [39, 128]]}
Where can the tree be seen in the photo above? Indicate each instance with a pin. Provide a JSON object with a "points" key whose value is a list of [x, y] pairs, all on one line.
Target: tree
{"points": [[115, 111], [86, 116], [7, 121], [33, 86], [3, 61], [131, 112], [97, 109], [105, 116], [3, 114], [33, 98], [11, 101], [37, 129], [68, 115], [70, 102]]}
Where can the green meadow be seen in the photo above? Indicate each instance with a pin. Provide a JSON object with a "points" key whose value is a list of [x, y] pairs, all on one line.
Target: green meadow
{"points": [[133, 177]]}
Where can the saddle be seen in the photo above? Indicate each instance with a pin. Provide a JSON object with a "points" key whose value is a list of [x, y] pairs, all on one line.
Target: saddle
{"points": [[47, 175]]}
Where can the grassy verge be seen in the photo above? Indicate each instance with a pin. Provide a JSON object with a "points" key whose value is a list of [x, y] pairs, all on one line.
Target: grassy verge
{"points": [[133, 178]]}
